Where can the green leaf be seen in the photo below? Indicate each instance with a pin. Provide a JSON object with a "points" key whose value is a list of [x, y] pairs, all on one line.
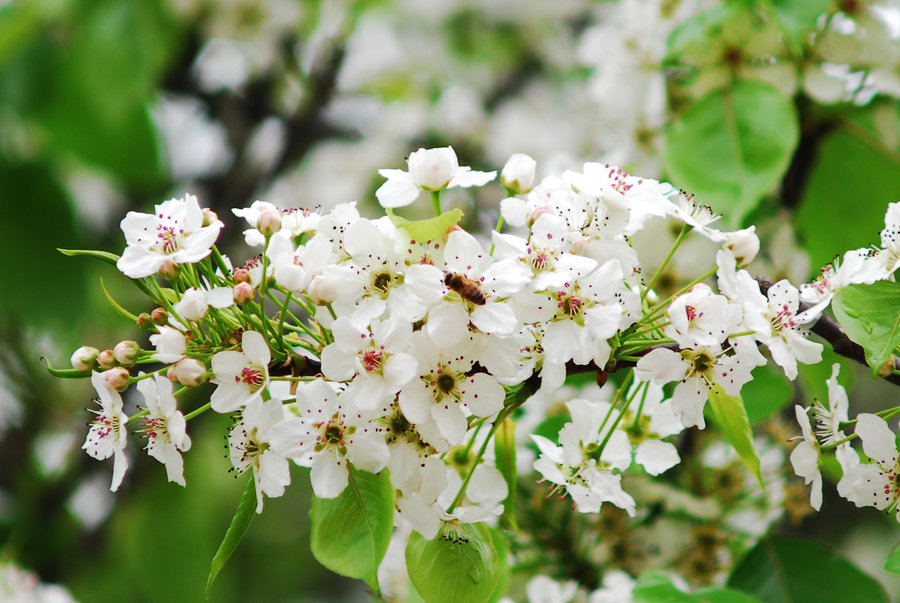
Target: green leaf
{"points": [[655, 587], [725, 595], [892, 563], [792, 570], [733, 146], [239, 524], [104, 256], [849, 166], [503, 558], [118, 308], [800, 18], [767, 393], [432, 229], [870, 315], [460, 565], [350, 534], [731, 416], [505, 460]]}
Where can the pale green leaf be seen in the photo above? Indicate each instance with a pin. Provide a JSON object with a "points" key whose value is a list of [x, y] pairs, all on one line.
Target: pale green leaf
{"points": [[731, 417], [239, 524], [870, 315]]}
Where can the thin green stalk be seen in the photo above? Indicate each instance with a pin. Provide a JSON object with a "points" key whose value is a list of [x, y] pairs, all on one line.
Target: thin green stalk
{"points": [[681, 235], [436, 202], [199, 411]]}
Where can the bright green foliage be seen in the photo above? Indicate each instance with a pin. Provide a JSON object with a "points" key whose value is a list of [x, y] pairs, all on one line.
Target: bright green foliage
{"points": [[654, 587], [239, 524], [767, 393], [870, 315], [351, 533], [460, 565], [432, 229], [790, 570], [505, 459], [731, 417], [892, 563], [732, 147]]}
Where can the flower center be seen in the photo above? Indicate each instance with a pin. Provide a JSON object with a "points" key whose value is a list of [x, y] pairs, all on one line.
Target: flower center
{"points": [[251, 376], [372, 360], [168, 239], [782, 319]]}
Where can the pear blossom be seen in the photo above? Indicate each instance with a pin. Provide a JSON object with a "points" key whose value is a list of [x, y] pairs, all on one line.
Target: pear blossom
{"points": [[889, 256], [241, 376], [543, 589], [805, 459], [328, 435], [518, 173], [249, 448], [173, 233], [108, 436], [164, 426], [700, 317], [429, 170], [856, 267], [170, 344], [194, 302], [877, 482]]}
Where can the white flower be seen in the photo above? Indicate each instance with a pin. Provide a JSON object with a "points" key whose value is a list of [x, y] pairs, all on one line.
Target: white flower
{"points": [[194, 303], [889, 256], [170, 344], [429, 170], [249, 446], [174, 233], [252, 236], [241, 375], [805, 459], [855, 267], [700, 317], [876, 483], [543, 589], [108, 436], [518, 173], [164, 426]]}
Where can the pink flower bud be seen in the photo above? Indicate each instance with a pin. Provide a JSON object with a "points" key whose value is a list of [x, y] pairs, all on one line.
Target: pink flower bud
{"points": [[117, 378], [269, 222], [106, 360], [321, 291], [145, 321], [518, 173], [159, 316], [243, 292], [169, 270], [744, 244], [209, 217], [536, 213], [241, 275], [85, 358], [189, 372], [126, 352]]}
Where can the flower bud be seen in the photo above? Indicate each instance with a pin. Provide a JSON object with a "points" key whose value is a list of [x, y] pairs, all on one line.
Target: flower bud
{"points": [[145, 321], [433, 169], [241, 275], [269, 222], [243, 292], [189, 372], [518, 173], [209, 217], [126, 352], [117, 378], [744, 244], [169, 270], [106, 360], [321, 291], [159, 316], [536, 213], [85, 358]]}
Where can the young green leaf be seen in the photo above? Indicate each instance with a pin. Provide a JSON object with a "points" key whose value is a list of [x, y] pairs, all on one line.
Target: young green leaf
{"points": [[116, 306], [103, 256], [892, 563], [793, 570], [432, 229], [870, 315], [731, 416], [239, 524], [350, 534], [460, 565]]}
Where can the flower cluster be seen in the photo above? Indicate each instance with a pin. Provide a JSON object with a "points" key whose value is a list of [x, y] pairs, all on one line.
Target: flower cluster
{"points": [[406, 346]]}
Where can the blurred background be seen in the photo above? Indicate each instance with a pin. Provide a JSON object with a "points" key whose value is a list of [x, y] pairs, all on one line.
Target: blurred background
{"points": [[109, 106]]}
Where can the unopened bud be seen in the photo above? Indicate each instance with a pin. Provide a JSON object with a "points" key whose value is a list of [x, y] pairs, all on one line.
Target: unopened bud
{"points": [[169, 270], [193, 305], [106, 360], [243, 292], [887, 369], [321, 291], [85, 358], [241, 275], [117, 378], [536, 213], [744, 244], [209, 217], [159, 316], [269, 222], [145, 321], [189, 372], [126, 352], [518, 174]]}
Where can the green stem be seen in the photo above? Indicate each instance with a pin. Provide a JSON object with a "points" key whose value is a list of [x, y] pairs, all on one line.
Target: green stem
{"points": [[199, 411], [436, 202], [686, 228]]}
